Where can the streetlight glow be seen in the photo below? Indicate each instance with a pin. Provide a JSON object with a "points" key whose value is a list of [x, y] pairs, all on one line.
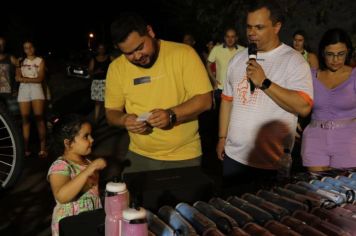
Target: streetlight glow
{"points": [[90, 41]]}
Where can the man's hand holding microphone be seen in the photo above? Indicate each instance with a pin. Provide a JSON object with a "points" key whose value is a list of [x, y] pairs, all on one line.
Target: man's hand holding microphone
{"points": [[254, 71]]}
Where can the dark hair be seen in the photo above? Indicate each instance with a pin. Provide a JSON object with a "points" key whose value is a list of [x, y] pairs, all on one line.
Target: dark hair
{"points": [[304, 34], [333, 36], [23, 57], [211, 40], [67, 127], [300, 32], [276, 12], [228, 28], [98, 44], [29, 40], [127, 23], [188, 33]]}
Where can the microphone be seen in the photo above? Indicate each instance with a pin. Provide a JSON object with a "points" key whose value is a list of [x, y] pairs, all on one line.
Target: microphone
{"points": [[252, 55]]}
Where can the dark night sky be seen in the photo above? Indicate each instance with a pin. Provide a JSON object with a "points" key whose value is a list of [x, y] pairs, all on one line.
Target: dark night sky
{"points": [[63, 31], [62, 27]]}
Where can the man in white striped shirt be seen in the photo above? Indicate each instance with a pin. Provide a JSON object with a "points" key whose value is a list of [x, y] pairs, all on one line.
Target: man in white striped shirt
{"points": [[255, 127]]}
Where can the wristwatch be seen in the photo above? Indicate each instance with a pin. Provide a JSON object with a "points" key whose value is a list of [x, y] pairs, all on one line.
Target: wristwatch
{"points": [[172, 117], [266, 84]]}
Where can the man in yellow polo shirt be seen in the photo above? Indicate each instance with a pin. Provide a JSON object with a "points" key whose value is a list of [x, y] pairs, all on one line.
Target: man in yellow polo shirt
{"points": [[221, 55], [156, 90]]}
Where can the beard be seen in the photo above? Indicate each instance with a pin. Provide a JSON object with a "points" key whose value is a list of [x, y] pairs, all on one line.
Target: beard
{"points": [[153, 57]]}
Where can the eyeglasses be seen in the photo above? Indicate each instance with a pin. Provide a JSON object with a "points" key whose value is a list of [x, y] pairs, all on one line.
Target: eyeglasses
{"points": [[339, 55]]}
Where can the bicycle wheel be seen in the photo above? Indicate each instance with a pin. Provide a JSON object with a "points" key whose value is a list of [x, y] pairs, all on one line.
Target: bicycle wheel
{"points": [[11, 149]]}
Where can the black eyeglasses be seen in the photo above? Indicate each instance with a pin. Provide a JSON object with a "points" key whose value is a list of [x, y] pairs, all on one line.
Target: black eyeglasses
{"points": [[338, 56]]}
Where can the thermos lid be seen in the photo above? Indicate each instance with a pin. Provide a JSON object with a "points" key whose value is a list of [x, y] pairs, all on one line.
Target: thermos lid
{"points": [[134, 214], [115, 187]]}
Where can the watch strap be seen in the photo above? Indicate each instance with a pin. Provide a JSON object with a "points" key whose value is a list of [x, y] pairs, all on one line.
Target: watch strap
{"points": [[266, 84], [172, 117]]}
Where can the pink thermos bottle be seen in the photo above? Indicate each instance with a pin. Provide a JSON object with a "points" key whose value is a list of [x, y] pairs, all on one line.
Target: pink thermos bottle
{"points": [[116, 200], [134, 221]]}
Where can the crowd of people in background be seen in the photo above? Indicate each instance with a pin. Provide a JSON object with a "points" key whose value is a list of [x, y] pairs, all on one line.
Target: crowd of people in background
{"points": [[250, 128], [23, 78]]}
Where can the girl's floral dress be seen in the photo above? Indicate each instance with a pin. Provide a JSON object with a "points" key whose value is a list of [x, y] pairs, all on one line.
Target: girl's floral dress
{"points": [[85, 201]]}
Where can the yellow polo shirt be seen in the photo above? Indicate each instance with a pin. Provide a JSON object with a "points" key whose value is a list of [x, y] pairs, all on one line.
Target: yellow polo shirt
{"points": [[177, 76], [222, 55]]}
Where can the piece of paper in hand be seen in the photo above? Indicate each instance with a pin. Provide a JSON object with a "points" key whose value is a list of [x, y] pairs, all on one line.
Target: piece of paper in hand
{"points": [[144, 116]]}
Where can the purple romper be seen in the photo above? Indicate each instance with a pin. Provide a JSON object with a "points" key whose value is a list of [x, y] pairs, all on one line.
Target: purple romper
{"points": [[330, 138]]}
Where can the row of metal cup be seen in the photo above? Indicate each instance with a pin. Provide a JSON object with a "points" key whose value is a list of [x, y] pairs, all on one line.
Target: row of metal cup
{"points": [[236, 216], [282, 211], [303, 208]]}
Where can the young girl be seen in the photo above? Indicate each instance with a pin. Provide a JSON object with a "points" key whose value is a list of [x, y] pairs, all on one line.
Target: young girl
{"points": [[73, 178], [30, 75]]}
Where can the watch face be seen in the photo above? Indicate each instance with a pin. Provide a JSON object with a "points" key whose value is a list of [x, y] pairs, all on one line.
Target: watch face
{"points": [[172, 117], [266, 83]]}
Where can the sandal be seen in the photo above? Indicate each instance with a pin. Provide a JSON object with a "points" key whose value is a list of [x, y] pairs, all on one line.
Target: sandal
{"points": [[42, 154]]}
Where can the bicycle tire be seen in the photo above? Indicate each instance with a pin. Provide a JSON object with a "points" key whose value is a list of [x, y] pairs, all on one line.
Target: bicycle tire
{"points": [[11, 149]]}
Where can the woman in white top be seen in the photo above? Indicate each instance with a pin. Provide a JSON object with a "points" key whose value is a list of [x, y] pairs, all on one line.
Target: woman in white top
{"points": [[30, 74]]}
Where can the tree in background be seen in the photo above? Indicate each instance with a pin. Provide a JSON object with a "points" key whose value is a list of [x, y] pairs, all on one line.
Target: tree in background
{"points": [[208, 18]]}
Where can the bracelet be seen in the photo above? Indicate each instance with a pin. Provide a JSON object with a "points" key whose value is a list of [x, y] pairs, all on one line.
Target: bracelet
{"points": [[221, 137]]}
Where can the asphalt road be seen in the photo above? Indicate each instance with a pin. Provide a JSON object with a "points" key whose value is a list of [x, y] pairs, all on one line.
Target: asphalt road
{"points": [[26, 208]]}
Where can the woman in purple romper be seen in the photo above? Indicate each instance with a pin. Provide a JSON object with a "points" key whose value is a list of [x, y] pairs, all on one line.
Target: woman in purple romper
{"points": [[329, 141]]}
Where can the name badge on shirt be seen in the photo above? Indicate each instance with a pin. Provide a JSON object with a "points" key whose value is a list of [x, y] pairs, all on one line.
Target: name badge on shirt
{"points": [[142, 80]]}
